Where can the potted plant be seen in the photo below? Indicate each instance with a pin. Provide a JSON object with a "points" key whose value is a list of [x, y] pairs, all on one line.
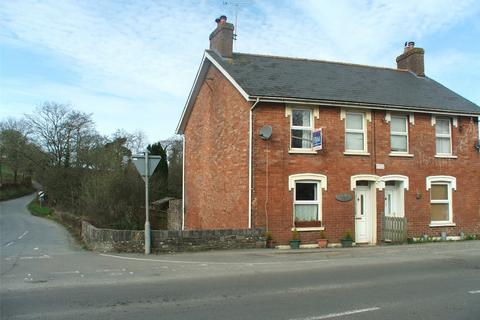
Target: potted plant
{"points": [[347, 240], [269, 240], [322, 242], [295, 242]]}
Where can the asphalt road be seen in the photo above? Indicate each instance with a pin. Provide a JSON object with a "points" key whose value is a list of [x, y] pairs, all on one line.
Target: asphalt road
{"points": [[45, 275]]}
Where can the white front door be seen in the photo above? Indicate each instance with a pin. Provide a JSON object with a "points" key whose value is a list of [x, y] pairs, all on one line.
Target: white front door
{"points": [[363, 215]]}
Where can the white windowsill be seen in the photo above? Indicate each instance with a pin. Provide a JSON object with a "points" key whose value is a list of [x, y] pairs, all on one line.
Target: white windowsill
{"points": [[445, 156], [442, 224], [300, 151], [309, 229], [355, 153], [393, 154]]}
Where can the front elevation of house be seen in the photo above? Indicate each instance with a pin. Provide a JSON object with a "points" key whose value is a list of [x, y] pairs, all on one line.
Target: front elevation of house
{"points": [[349, 145]]}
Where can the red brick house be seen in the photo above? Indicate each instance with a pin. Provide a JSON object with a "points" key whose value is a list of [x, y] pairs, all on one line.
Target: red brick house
{"points": [[394, 142]]}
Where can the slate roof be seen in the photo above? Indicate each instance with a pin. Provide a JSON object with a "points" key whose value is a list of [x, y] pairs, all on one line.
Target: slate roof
{"points": [[281, 77]]}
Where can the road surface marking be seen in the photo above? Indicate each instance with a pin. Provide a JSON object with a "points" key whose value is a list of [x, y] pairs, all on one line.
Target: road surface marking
{"points": [[474, 291], [340, 314], [204, 263], [35, 257], [23, 235], [66, 272], [9, 244]]}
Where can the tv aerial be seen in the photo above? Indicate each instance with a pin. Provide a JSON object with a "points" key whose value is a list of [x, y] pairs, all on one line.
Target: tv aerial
{"points": [[236, 7]]}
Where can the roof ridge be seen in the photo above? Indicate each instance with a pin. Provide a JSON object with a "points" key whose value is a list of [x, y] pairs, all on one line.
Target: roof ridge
{"points": [[319, 60]]}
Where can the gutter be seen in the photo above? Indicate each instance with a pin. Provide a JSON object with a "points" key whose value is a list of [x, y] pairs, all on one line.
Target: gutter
{"points": [[358, 105], [250, 163]]}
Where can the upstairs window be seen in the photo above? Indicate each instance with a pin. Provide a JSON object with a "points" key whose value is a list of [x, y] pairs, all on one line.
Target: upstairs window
{"points": [[443, 136], [301, 129], [399, 134], [355, 132]]}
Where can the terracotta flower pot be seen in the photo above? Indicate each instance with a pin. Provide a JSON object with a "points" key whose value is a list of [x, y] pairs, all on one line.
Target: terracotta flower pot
{"points": [[322, 243]]}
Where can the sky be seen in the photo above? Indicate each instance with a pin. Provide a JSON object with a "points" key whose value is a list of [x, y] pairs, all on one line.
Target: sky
{"points": [[131, 64]]}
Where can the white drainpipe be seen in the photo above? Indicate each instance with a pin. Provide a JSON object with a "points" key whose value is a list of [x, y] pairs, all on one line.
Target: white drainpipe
{"points": [[250, 164], [183, 182]]}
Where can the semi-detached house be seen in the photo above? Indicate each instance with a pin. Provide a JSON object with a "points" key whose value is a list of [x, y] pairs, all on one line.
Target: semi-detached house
{"points": [[349, 143]]}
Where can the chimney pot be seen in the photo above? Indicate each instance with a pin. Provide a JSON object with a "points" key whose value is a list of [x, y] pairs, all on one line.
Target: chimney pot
{"points": [[221, 39]]}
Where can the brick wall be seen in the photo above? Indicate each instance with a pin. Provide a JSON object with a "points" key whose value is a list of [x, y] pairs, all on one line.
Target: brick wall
{"points": [[339, 216], [216, 157]]}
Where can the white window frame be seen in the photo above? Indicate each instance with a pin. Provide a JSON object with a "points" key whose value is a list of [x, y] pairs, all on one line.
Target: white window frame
{"points": [[321, 181], [292, 127], [363, 131], [399, 133], [451, 183], [444, 135], [318, 202]]}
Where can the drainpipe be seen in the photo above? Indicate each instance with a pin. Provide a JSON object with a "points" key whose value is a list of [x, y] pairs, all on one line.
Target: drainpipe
{"points": [[250, 164], [183, 182]]}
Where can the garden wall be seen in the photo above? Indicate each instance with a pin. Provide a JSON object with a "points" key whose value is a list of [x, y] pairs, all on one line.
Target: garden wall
{"points": [[163, 241]]}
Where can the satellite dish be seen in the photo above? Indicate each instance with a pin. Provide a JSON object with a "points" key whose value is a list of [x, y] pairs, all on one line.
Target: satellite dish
{"points": [[266, 132]]}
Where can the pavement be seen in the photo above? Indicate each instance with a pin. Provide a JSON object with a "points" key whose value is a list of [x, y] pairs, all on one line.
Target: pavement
{"points": [[46, 275]]}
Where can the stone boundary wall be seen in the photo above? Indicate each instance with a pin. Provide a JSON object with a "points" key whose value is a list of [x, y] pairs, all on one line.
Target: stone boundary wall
{"points": [[200, 240], [163, 241], [110, 240]]}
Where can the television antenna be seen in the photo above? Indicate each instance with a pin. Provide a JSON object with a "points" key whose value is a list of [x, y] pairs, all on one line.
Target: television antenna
{"points": [[236, 7]]}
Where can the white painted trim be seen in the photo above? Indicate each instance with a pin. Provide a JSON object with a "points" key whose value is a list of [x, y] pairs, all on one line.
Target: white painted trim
{"points": [[388, 117], [445, 156], [366, 177], [400, 154], [455, 122], [442, 224], [309, 228], [186, 109], [396, 177], [300, 151], [411, 118], [352, 153], [183, 182], [227, 75], [307, 176], [449, 179]]}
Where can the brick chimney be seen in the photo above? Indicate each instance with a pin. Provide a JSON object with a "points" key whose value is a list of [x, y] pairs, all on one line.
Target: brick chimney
{"points": [[412, 59], [221, 39]]}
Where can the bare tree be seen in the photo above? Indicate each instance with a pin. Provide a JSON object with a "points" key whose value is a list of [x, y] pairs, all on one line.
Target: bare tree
{"points": [[60, 131], [135, 141]]}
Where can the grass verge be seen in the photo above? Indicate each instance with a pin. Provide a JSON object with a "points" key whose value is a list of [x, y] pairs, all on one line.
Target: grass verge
{"points": [[36, 210]]}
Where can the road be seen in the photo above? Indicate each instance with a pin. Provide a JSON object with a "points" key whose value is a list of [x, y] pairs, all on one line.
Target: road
{"points": [[45, 275]]}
